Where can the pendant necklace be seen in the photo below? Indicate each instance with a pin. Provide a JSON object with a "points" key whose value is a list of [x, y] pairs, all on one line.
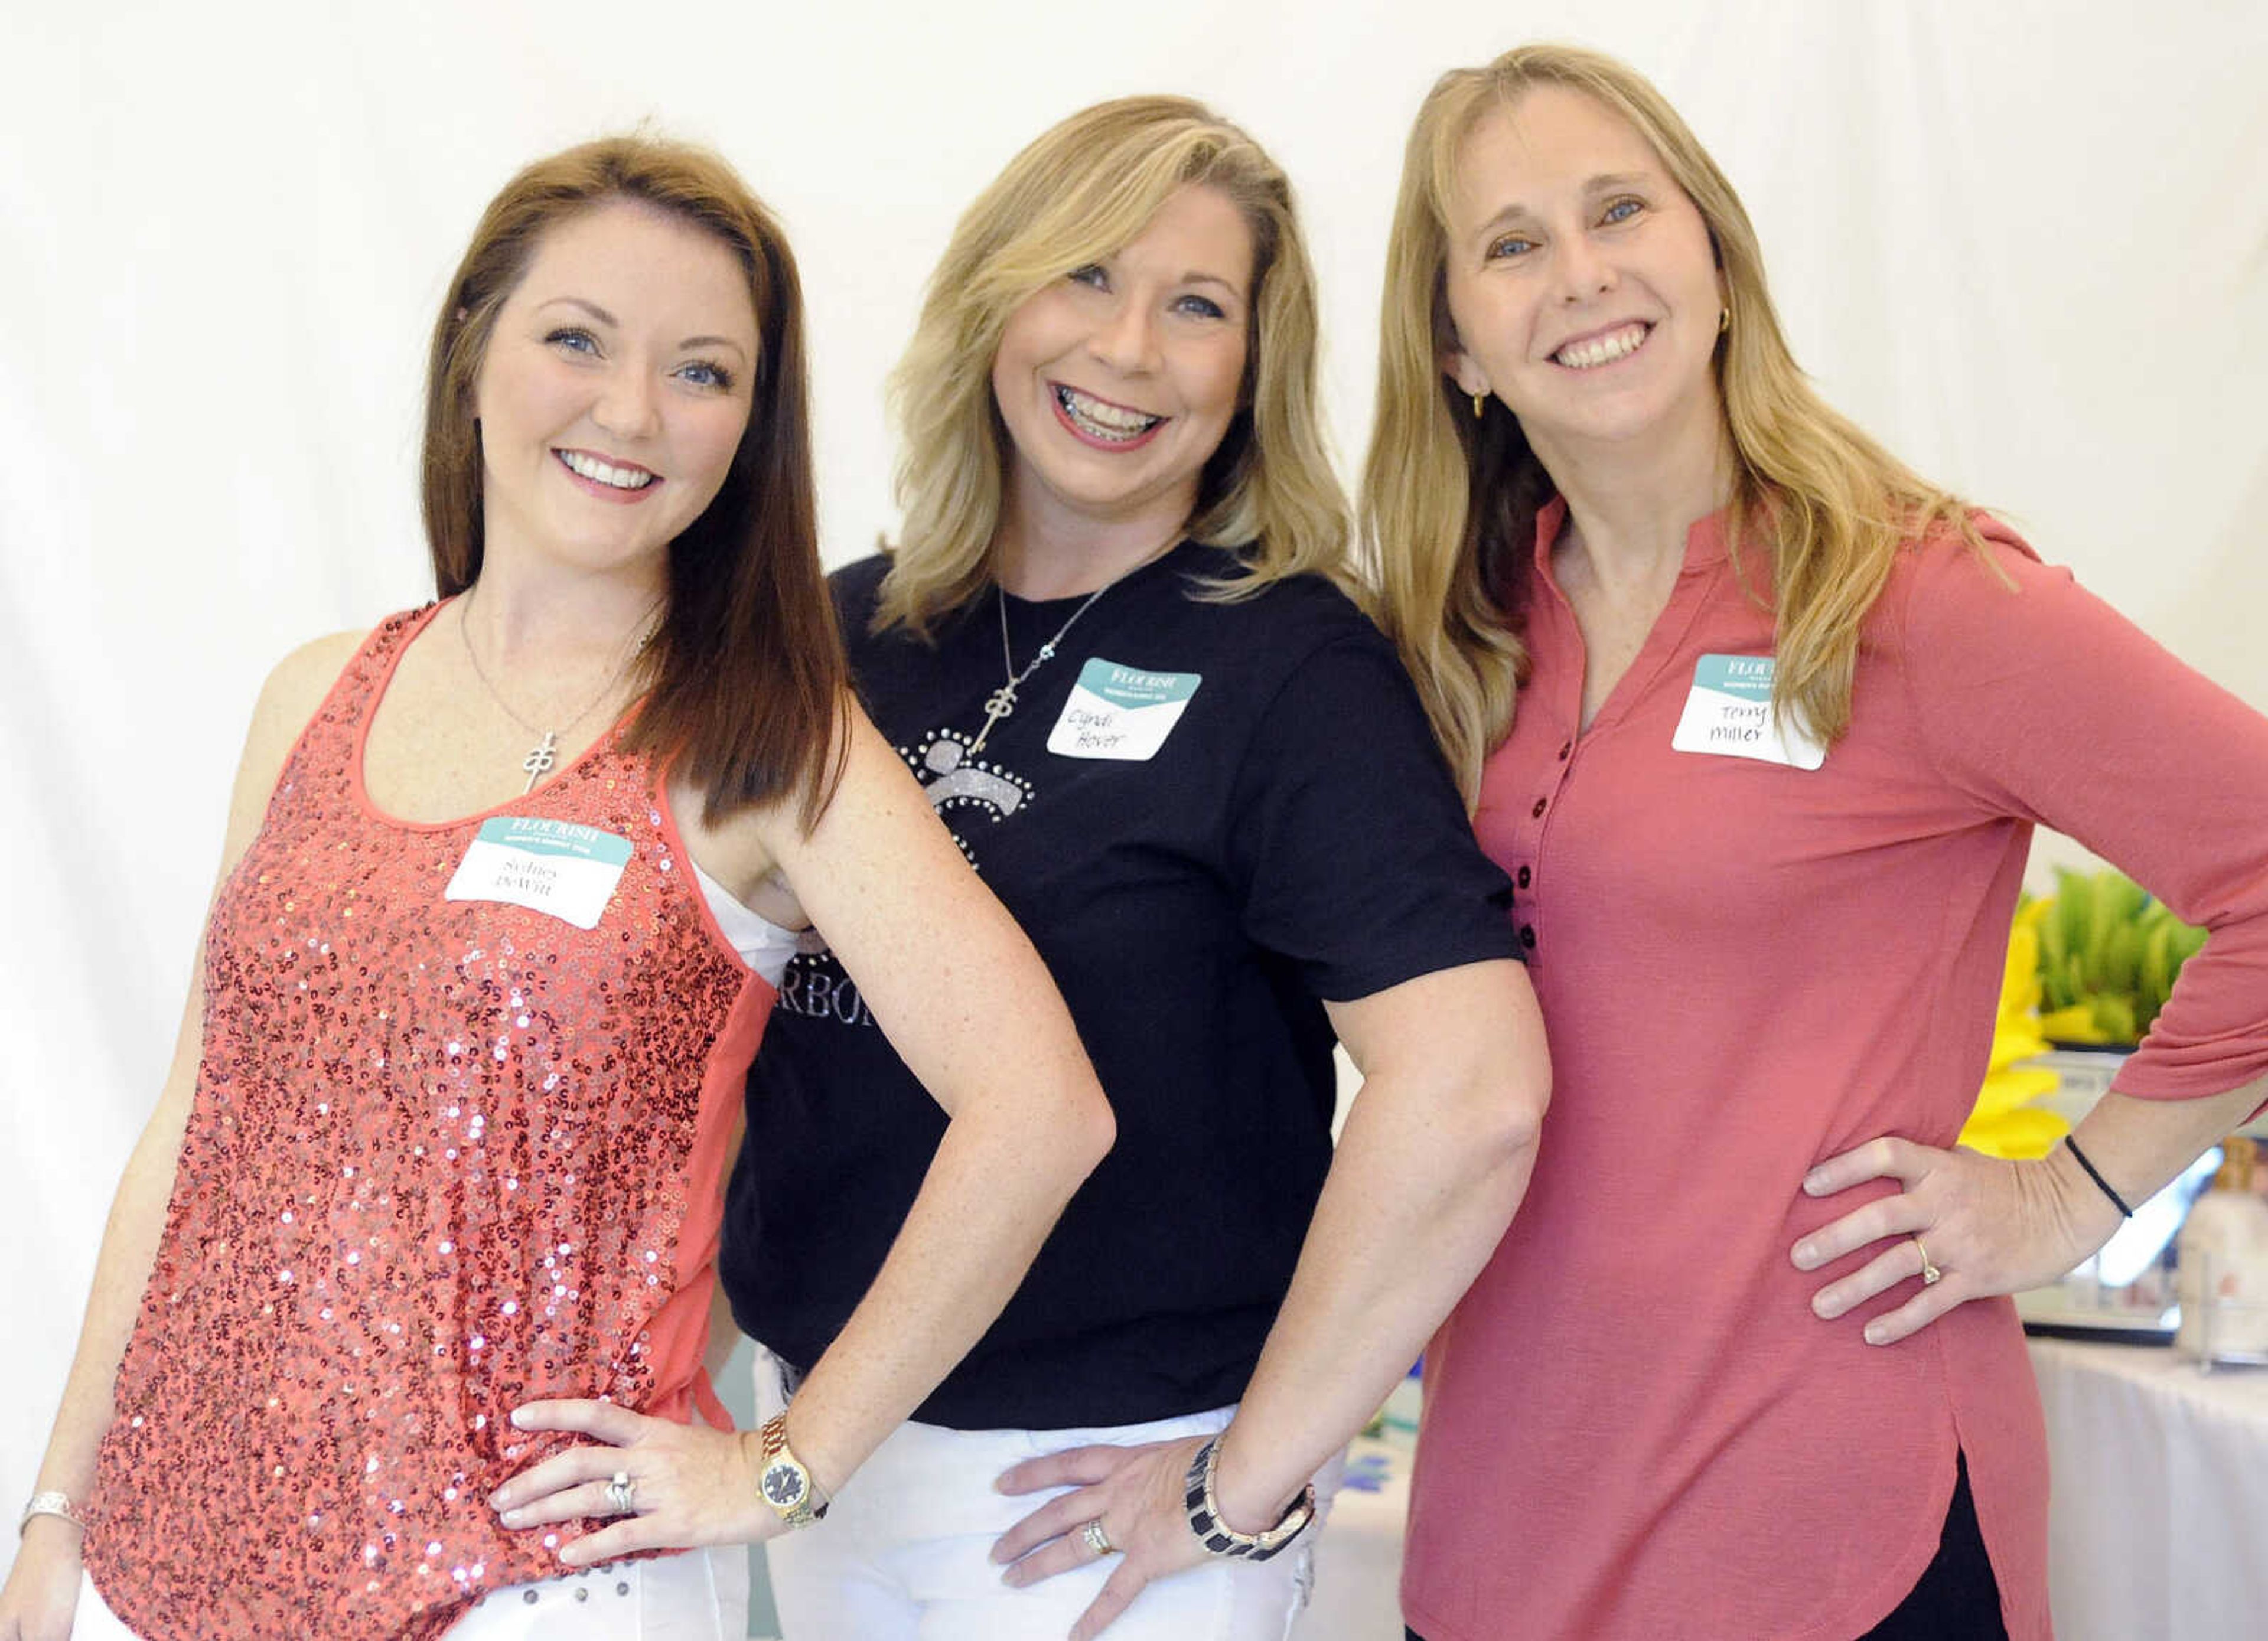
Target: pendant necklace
{"points": [[543, 757], [1002, 701]]}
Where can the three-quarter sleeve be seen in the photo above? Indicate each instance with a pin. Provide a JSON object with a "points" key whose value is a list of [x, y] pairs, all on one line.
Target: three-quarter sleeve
{"points": [[2043, 702]]}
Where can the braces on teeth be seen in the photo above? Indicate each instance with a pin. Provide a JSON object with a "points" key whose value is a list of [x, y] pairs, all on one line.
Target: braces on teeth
{"points": [[1103, 421]]}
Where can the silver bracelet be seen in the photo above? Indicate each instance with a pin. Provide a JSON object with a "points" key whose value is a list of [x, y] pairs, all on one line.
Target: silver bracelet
{"points": [[50, 1504], [1216, 1535]]}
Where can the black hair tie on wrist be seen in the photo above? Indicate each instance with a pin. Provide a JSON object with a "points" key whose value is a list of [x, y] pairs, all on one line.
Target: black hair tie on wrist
{"points": [[2096, 1175]]}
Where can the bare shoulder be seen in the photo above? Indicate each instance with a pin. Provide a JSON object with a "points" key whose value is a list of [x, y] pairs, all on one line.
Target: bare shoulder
{"points": [[297, 684], [295, 688], [765, 854], [735, 850], [745, 849]]}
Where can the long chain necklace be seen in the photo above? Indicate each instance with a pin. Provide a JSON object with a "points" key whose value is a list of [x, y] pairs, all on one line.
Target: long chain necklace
{"points": [[1002, 701], [543, 757]]}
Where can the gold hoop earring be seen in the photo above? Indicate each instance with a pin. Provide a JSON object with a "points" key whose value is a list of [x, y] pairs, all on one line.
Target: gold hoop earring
{"points": [[1480, 403], [1724, 320]]}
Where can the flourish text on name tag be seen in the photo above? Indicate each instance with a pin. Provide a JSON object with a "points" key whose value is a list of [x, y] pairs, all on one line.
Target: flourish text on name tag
{"points": [[1122, 712], [1730, 714], [562, 868]]}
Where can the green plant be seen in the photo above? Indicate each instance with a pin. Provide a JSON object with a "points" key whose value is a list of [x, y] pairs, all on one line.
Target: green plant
{"points": [[2109, 955]]}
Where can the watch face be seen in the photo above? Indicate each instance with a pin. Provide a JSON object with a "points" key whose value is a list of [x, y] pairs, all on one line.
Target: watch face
{"points": [[783, 1484]]}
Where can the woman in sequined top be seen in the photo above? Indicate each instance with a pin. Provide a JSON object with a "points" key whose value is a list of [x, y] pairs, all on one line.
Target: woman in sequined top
{"points": [[505, 886]]}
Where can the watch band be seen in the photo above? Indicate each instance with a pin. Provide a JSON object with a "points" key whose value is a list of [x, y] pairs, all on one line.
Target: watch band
{"points": [[782, 1480], [1216, 1535]]}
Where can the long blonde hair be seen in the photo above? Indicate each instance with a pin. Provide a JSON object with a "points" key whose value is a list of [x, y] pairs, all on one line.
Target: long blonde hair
{"points": [[1450, 502], [1082, 192]]}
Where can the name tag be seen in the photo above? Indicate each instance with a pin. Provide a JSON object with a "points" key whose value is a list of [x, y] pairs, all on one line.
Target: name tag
{"points": [[556, 867], [1122, 712], [1730, 714]]}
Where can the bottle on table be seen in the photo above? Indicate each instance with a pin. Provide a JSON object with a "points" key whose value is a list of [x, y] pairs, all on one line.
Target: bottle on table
{"points": [[2221, 1261]]}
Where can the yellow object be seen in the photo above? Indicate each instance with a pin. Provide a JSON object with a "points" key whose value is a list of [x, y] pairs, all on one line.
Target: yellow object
{"points": [[2004, 1123], [2075, 1024]]}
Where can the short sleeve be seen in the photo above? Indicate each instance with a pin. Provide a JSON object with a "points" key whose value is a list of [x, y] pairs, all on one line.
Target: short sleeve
{"points": [[2044, 703], [1352, 846]]}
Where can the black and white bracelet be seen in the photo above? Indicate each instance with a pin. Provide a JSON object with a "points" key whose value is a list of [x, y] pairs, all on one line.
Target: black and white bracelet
{"points": [[1216, 1535]]}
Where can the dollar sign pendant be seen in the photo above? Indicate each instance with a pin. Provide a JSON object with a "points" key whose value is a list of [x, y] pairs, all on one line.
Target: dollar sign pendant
{"points": [[538, 764], [998, 705]]}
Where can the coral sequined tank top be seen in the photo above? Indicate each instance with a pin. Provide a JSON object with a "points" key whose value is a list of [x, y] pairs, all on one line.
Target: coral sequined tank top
{"points": [[448, 1152]]}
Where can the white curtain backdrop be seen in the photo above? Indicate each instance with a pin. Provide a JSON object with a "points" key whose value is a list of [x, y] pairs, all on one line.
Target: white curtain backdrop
{"points": [[2026, 243]]}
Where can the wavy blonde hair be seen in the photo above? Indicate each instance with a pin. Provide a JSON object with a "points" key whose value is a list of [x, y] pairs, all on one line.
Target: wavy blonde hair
{"points": [[1081, 192], [1450, 502]]}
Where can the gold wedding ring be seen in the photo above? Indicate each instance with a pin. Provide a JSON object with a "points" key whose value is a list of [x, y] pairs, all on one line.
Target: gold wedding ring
{"points": [[1097, 1540], [1930, 1276]]}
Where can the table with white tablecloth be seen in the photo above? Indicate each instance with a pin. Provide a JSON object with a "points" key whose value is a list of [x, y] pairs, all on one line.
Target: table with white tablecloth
{"points": [[2158, 1514], [2158, 1521]]}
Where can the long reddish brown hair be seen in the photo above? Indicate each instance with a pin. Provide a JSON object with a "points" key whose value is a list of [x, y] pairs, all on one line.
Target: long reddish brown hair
{"points": [[746, 679]]}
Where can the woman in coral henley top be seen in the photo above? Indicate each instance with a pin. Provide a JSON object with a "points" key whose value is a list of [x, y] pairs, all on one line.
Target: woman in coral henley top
{"points": [[1743, 1366]]}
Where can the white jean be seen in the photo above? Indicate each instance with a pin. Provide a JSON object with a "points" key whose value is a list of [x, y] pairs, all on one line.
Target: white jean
{"points": [[904, 1553], [698, 1596]]}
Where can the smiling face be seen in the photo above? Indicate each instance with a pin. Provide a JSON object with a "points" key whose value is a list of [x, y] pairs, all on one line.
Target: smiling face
{"points": [[1117, 381], [614, 392], [1581, 285]]}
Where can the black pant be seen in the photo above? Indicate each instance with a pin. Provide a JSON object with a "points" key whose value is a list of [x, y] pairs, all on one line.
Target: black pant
{"points": [[1957, 1599]]}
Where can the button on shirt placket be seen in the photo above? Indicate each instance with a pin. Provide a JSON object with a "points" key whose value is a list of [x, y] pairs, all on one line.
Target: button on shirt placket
{"points": [[1662, 642], [1524, 879]]}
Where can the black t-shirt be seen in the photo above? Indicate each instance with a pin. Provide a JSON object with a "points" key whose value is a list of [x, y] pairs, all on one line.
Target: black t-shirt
{"points": [[1207, 816]]}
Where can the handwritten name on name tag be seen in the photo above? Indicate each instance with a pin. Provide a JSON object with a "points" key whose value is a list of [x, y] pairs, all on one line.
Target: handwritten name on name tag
{"points": [[562, 868], [1730, 714], [1122, 712]]}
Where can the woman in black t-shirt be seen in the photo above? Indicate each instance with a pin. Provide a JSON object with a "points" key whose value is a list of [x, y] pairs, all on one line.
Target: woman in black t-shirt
{"points": [[1113, 647]]}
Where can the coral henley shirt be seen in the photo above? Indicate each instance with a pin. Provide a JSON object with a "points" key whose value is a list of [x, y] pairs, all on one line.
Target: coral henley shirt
{"points": [[1634, 1425]]}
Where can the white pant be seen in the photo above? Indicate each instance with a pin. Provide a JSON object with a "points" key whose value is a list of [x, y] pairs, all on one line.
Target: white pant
{"points": [[700, 1595], [905, 1551]]}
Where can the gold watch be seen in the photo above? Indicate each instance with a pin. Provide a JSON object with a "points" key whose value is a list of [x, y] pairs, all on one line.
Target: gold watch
{"points": [[784, 1482]]}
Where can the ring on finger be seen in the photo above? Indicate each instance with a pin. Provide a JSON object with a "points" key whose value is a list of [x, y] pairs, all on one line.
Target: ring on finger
{"points": [[1930, 1276], [1097, 1540], [621, 1494]]}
